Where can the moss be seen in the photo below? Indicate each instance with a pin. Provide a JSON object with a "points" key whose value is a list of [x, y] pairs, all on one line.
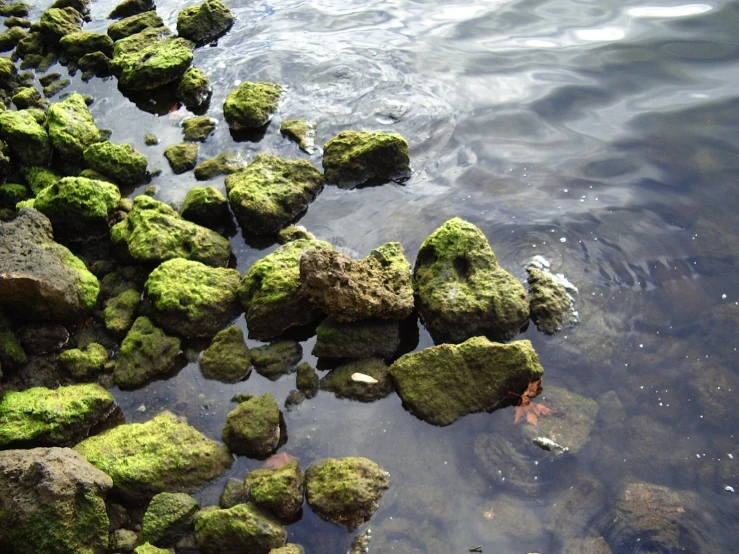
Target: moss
{"points": [[11, 194], [38, 178], [277, 359], [120, 311], [194, 89], [8, 73], [355, 158], [17, 9], [145, 353], [300, 131], [293, 232], [307, 380], [159, 63], [76, 45], [56, 87], [227, 359], [167, 518], [134, 24], [147, 548], [32, 44], [340, 382], [11, 37], [117, 161], [251, 105], [198, 128], [224, 163], [550, 304], [236, 530], [204, 22], [95, 64], [360, 339], [128, 8], [58, 22], [82, 364], [28, 141], [206, 206], [162, 454], [17, 22], [89, 287], [150, 139], [28, 98], [182, 157], [11, 351], [44, 417], [279, 491], [253, 427]]}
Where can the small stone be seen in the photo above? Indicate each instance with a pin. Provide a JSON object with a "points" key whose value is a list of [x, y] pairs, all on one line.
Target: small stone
{"points": [[242, 528], [182, 157], [300, 131], [233, 493], [356, 340], [307, 380], [84, 364], [279, 491], [122, 540], [277, 359], [251, 105], [227, 359], [198, 128], [151, 139], [253, 428], [206, 206], [134, 24], [194, 89], [120, 311], [374, 384], [224, 163], [128, 8], [121, 162]]}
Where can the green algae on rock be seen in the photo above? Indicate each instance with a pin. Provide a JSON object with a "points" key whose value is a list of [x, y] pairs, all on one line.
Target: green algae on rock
{"points": [[242, 528], [354, 158], [17, 9], [300, 131], [293, 232], [206, 206], [157, 63], [461, 289], [443, 383], [192, 299], [11, 194], [120, 162], [224, 163], [12, 354], [251, 105], [182, 157], [71, 128], [43, 417], [134, 24], [194, 89], [289, 548], [279, 491], [277, 359], [343, 384], [84, 363], [198, 128], [253, 428], [307, 380], [29, 97], [122, 540], [127, 8], [58, 22], [345, 491], [38, 178], [148, 548], [356, 340], [79, 43], [271, 192], [145, 353], [164, 454], [205, 22], [10, 38], [120, 311], [227, 359], [550, 304], [28, 140], [168, 517]]}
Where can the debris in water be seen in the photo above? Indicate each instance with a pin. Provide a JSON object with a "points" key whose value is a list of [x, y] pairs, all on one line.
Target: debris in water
{"points": [[362, 378]]}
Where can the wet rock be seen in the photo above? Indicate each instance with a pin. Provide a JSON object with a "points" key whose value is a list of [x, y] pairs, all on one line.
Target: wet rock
{"points": [[8, 73], [345, 491], [134, 24], [198, 128], [192, 299], [145, 353], [360, 544], [233, 493], [84, 364], [253, 428], [162, 454], [122, 540], [53, 501], [182, 157], [147, 548], [17, 9], [58, 22], [168, 517], [28, 98], [277, 359], [128, 8], [120, 311], [11, 37], [294, 399], [293, 232], [443, 383], [354, 158], [271, 192], [82, 6], [29, 143], [38, 277], [462, 291], [43, 338], [356, 340], [351, 290], [227, 359], [236, 530], [550, 304], [119, 162], [71, 128], [299, 131], [206, 206], [307, 380], [194, 89], [576, 508], [77, 44], [343, 383], [56, 87], [224, 163], [11, 194], [153, 232], [251, 105], [506, 518], [44, 417], [270, 291], [205, 22], [150, 64], [279, 490], [288, 549]]}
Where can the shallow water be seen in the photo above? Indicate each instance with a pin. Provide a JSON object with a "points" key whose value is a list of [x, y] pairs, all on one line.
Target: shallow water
{"points": [[603, 136]]}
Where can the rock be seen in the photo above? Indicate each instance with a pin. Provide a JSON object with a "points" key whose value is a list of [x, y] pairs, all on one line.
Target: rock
{"points": [[597, 545], [369, 338], [233, 493], [194, 89], [56, 87], [354, 158], [253, 428], [577, 506], [294, 399], [71, 128], [251, 105], [156, 63], [40, 279], [52, 501], [83, 364], [227, 359], [345, 491], [205, 22], [11, 194], [182, 157], [122, 540], [43, 338], [168, 517], [147, 548], [17, 22], [38, 178], [360, 544], [58, 22], [120, 311], [307, 380], [277, 359], [462, 292], [82, 6], [162, 454], [44, 417], [293, 232], [198, 128], [443, 383], [8, 73], [515, 464], [95, 64], [288, 549], [550, 304], [120, 162], [28, 98], [351, 290], [192, 299], [29, 143], [145, 353], [153, 232], [271, 192], [134, 24], [299, 131], [224, 163], [77, 44], [340, 381], [128, 8], [270, 291], [506, 518], [279, 491], [11, 37], [237, 530], [206, 206], [12, 354], [17, 9]]}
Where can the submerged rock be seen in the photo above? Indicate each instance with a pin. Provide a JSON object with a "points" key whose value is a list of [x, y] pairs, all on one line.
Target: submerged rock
{"points": [[168, 517], [182, 157], [550, 303], [233, 493], [85, 363], [206, 206], [354, 158], [236, 530], [277, 359], [145, 353], [307, 380], [253, 428], [29, 143], [198, 128], [134, 24], [462, 292], [227, 359], [279, 491], [163, 454], [344, 382], [299, 131], [224, 163], [71, 128], [251, 105], [194, 89], [205, 22], [271, 192], [443, 383], [345, 491], [356, 340], [120, 162]]}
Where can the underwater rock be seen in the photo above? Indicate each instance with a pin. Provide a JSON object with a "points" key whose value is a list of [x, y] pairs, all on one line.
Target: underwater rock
{"points": [[29, 143], [369, 338], [577, 507], [300, 131], [145, 353], [236, 530], [155, 64], [168, 517], [83, 364], [182, 157], [120, 311], [279, 490], [251, 105], [53, 501], [351, 290], [550, 304], [443, 383], [164, 454], [198, 128], [77, 44], [345, 491], [354, 158], [253, 428], [128, 8], [277, 359], [206, 206], [461, 290], [120, 162], [192, 299], [227, 359], [271, 192], [224, 163], [194, 89], [71, 128], [344, 384], [134, 24], [307, 380]]}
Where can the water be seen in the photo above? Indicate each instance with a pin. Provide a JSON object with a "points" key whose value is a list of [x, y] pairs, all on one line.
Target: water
{"points": [[603, 136]]}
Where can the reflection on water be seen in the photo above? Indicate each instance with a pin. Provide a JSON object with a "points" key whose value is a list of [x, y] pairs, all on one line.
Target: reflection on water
{"points": [[601, 135]]}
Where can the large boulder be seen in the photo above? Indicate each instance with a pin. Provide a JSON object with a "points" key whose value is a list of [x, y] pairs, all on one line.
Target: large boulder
{"points": [[461, 290], [45, 417], [345, 491], [251, 105], [227, 359], [146, 352], [358, 339], [121, 163], [205, 22], [278, 490], [71, 128], [52, 501], [270, 291], [242, 528], [164, 454], [28, 140], [271, 192], [38, 277], [253, 427], [351, 290], [354, 158], [192, 299], [153, 232], [152, 65], [168, 517], [443, 383]]}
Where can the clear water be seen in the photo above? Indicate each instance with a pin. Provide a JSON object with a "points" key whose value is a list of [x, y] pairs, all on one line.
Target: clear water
{"points": [[602, 135]]}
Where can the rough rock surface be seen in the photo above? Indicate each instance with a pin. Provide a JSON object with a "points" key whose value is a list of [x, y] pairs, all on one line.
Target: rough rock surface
{"points": [[168, 517], [145, 353], [227, 359], [198, 128], [340, 382], [182, 157], [224, 163], [84, 364], [369, 338], [253, 427], [279, 490], [276, 359], [300, 131], [120, 311], [205, 22], [194, 90], [354, 158], [236, 530], [251, 105]]}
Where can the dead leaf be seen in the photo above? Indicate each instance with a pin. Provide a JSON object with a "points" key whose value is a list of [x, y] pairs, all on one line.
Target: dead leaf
{"points": [[529, 409], [276, 461]]}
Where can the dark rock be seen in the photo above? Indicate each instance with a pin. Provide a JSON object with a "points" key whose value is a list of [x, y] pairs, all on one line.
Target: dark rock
{"points": [[206, 206], [307, 380], [128, 8], [370, 338], [344, 384], [145, 353], [277, 359], [253, 428], [227, 359], [182, 157]]}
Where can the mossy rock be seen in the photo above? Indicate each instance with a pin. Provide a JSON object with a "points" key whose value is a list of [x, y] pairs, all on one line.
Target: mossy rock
{"points": [[56, 87], [233, 493], [29, 97], [277, 359], [120, 311], [76, 45], [29, 143], [84, 363], [71, 127], [11, 194], [145, 353], [356, 340], [300, 131], [253, 428], [205, 22], [128, 8], [194, 89], [198, 128], [134, 24], [147, 548], [550, 304], [168, 517], [251, 105], [163, 454], [227, 359], [307, 380], [12, 354], [58, 22], [10, 38], [289, 549], [206, 206], [340, 381], [120, 162], [354, 158], [8, 73], [279, 491], [95, 64], [159, 63], [182, 157], [236, 530], [224, 163], [17, 9], [38, 178]]}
